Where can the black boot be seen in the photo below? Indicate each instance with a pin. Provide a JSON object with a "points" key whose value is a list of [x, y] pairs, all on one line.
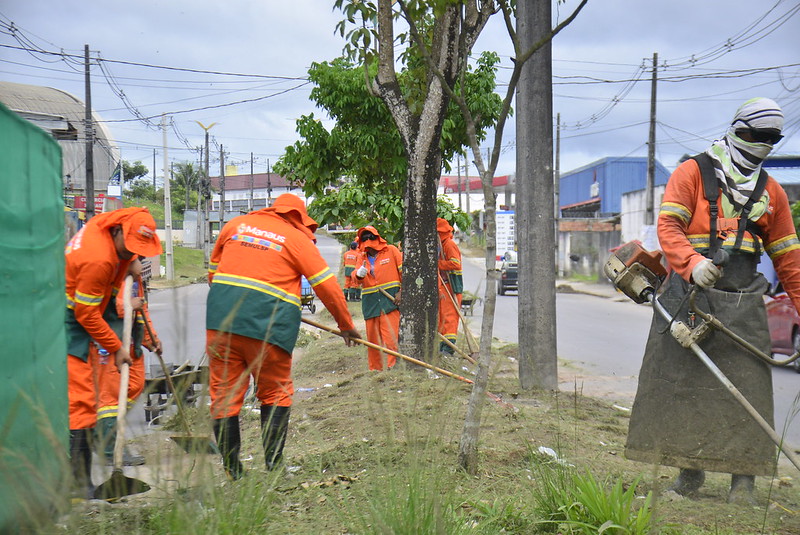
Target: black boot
{"points": [[106, 438], [226, 431], [742, 489], [688, 481], [274, 424], [80, 460]]}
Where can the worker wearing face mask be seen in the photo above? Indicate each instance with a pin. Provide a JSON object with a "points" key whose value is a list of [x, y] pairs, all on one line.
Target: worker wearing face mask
{"points": [[380, 273], [719, 210]]}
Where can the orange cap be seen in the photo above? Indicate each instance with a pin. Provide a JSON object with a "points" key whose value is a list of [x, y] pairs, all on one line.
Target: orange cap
{"points": [[139, 231]]}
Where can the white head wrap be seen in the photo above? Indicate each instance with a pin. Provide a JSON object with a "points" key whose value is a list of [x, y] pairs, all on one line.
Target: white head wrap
{"points": [[737, 163]]}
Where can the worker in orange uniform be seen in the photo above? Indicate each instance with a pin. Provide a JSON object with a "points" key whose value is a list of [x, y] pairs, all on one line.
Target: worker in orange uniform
{"points": [[97, 260], [379, 270], [253, 319], [451, 284], [352, 292], [108, 375], [719, 208]]}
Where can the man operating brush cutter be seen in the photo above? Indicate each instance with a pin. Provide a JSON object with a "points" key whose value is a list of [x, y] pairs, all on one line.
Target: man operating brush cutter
{"points": [[719, 208]]}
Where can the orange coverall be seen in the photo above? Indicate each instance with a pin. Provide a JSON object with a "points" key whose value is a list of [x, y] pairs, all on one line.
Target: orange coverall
{"points": [[93, 273], [381, 315], [350, 260], [254, 305], [450, 285]]}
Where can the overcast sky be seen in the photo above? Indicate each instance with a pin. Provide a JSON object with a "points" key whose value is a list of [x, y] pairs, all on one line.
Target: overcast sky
{"points": [[712, 57]]}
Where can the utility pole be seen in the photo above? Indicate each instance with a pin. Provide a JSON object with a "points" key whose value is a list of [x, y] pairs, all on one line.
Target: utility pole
{"points": [[557, 191], [199, 238], [458, 167], [154, 172], [250, 201], [221, 188], [469, 185], [269, 185], [167, 205], [206, 197], [538, 363], [89, 131], [649, 218]]}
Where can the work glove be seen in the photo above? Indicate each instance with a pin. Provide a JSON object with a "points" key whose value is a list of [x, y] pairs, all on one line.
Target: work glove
{"points": [[705, 274], [361, 272]]}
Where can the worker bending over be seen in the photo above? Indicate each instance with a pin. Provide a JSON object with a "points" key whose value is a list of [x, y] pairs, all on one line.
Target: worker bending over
{"points": [[253, 319], [97, 260]]}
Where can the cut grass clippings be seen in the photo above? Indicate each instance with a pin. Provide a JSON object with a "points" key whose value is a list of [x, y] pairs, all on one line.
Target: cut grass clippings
{"points": [[376, 453]]}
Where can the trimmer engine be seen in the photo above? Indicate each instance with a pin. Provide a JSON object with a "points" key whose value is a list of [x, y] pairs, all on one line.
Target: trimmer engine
{"points": [[635, 271]]}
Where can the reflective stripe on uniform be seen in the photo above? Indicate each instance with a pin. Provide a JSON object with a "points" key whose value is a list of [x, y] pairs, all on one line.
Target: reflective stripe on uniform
{"points": [[783, 246], [257, 285], [320, 277], [384, 286], [676, 210]]}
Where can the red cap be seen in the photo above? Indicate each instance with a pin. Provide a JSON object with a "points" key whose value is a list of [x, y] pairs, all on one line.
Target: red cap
{"points": [[139, 231]]}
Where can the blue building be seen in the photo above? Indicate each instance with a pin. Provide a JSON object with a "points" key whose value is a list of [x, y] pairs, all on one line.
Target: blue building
{"points": [[595, 190]]}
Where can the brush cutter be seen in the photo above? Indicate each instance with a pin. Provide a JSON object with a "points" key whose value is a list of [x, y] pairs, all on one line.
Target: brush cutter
{"points": [[188, 442], [637, 273], [412, 360], [119, 485], [442, 338]]}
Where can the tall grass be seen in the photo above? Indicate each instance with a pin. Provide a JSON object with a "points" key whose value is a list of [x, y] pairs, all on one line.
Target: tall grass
{"points": [[571, 502]]}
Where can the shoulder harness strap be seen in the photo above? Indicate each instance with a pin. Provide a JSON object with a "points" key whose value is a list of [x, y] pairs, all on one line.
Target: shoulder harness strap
{"points": [[711, 192]]}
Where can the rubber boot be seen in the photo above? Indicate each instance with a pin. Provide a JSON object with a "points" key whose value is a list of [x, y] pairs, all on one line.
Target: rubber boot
{"points": [[80, 460], [229, 442], [688, 481], [274, 424], [742, 489], [106, 435], [346, 292]]}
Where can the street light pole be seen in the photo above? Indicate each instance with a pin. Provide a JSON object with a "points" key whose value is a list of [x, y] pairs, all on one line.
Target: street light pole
{"points": [[206, 195]]}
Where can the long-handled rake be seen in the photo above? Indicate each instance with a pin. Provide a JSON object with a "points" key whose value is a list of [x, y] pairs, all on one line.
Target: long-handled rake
{"points": [[412, 360], [188, 442]]}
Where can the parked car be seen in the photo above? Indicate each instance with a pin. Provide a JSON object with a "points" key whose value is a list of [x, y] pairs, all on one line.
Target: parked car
{"points": [[508, 277], [784, 326]]}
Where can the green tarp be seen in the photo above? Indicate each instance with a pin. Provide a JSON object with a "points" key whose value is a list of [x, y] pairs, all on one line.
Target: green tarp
{"points": [[34, 425]]}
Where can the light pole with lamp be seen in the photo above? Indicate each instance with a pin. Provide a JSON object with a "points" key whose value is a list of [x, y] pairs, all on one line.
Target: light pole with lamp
{"points": [[206, 191]]}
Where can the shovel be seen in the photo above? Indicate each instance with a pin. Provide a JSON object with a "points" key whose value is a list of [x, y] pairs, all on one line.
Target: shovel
{"points": [[188, 442], [119, 485]]}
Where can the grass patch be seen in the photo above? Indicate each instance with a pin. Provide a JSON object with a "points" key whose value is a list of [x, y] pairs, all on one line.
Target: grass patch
{"points": [[376, 453]]}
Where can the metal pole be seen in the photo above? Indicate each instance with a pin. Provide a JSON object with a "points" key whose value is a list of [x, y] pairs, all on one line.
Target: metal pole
{"points": [[206, 223], [269, 185], [89, 132]]}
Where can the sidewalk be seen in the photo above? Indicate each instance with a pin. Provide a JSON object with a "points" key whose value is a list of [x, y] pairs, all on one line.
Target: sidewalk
{"points": [[599, 289]]}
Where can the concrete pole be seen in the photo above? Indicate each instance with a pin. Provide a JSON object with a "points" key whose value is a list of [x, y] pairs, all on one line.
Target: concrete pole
{"points": [[170, 260], [649, 216], [89, 133], [221, 187]]}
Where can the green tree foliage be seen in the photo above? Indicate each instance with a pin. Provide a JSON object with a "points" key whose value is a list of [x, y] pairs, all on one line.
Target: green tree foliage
{"points": [[365, 147], [184, 183], [142, 189], [133, 171]]}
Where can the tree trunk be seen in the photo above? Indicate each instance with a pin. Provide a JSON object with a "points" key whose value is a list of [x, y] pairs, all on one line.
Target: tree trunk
{"points": [[419, 306], [538, 365], [468, 446]]}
